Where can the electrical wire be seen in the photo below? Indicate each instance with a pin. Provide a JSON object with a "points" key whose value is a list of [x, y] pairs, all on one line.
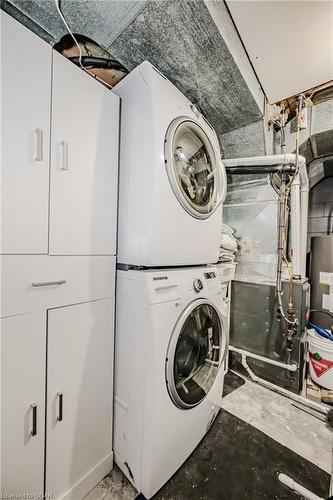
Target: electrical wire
{"points": [[284, 257], [58, 7], [284, 218], [281, 254]]}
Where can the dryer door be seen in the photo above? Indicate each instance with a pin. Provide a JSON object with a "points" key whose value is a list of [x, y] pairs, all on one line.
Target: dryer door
{"points": [[197, 347], [196, 173]]}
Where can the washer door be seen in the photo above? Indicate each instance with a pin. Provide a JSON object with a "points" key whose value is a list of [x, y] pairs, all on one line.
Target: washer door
{"points": [[196, 174], [197, 347]]}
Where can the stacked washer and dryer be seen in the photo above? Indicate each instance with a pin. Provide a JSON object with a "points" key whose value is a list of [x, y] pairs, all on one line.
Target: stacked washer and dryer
{"points": [[171, 333]]}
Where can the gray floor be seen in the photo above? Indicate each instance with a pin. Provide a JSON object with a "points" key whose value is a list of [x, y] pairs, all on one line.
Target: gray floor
{"points": [[115, 486], [257, 435], [278, 418]]}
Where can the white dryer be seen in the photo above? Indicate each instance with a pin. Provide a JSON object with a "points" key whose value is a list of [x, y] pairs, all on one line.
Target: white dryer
{"points": [[172, 180], [171, 342]]}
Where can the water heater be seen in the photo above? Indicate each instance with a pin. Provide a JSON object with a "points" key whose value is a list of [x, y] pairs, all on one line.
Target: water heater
{"points": [[322, 279]]}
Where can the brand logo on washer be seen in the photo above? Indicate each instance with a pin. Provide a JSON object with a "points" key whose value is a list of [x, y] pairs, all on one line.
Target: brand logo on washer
{"points": [[158, 278]]}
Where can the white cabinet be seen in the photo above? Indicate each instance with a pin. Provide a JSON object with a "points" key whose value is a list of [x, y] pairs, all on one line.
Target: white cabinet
{"points": [[25, 136], [58, 227], [66, 353], [79, 402], [23, 344], [40, 282], [84, 163], [59, 160]]}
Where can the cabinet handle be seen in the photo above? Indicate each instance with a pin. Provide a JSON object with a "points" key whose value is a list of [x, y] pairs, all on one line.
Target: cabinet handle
{"points": [[61, 399], [49, 283], [64, 156], [34, 419], [39, 144]]}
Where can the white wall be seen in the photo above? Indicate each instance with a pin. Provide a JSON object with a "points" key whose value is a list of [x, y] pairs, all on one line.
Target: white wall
{"points": [[289, 43]]}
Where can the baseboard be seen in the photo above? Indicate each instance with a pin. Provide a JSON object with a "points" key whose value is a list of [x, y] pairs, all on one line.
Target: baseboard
{"points": [[89, 480]]}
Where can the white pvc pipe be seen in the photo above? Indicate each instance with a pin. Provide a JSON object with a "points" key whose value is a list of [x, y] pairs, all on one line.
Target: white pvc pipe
{"points": [[291, 367], [298, 488], [295, 229], [284, 392], [304, 210], [299, 216], [304, 225]]}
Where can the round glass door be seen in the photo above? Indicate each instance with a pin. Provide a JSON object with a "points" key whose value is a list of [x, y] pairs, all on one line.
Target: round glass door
{"points": [[193, 169], [197, 347]]}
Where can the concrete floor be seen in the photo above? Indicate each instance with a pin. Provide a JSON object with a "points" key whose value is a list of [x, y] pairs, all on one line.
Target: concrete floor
{"points": [[278, 418], [115, 486], [256, 435]]}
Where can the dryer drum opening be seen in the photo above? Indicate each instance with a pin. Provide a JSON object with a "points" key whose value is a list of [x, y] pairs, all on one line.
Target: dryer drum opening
{"points": [[193, 168]]}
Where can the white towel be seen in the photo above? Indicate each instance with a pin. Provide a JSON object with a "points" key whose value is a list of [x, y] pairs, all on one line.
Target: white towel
{"points": [[229, 242]]}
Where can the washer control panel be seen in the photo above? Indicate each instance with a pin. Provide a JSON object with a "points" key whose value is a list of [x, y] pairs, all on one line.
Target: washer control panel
{"points": [[202, 281]]}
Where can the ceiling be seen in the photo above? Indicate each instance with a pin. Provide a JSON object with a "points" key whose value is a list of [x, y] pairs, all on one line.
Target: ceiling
{"points": [[196, 45], [101, 20], [290, 43], [181, 38]]}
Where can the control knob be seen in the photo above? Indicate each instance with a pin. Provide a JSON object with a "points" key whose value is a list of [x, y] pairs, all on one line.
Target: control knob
{"points": [[197, 285]]}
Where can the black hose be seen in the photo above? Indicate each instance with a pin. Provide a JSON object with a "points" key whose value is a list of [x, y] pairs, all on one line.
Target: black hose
{"points": [[98, 62], [267, 169]]}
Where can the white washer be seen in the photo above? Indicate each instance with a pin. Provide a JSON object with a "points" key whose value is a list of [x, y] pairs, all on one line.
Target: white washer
{"points": [[172, 181], [171, 342]]}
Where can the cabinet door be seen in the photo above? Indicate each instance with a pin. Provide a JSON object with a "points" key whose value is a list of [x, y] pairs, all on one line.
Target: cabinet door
{"points": [[25, 100], [84, 163], [23, 354], [79, 395]]}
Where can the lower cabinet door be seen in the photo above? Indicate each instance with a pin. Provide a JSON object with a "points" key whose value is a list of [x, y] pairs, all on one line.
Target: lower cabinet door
{"points": [[79, 397], [23, 351]]}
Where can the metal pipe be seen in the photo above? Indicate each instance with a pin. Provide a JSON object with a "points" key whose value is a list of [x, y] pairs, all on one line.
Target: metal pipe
{"points": [[269, 169], [292, 367]]}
